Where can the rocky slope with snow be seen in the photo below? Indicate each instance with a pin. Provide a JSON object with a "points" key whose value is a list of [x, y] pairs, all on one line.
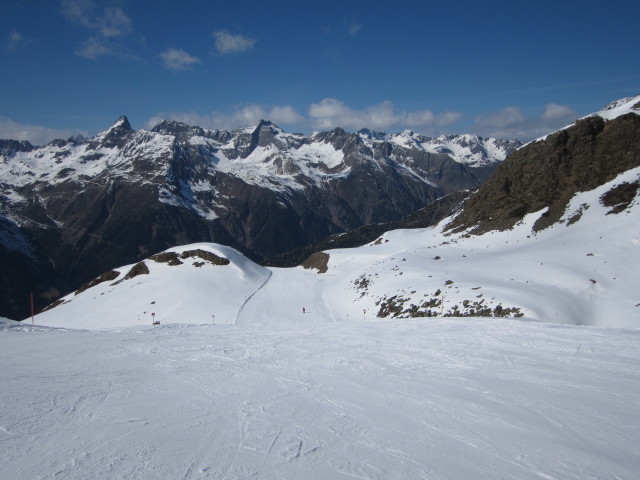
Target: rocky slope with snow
{"points": [[75, 208], [548, 172]]}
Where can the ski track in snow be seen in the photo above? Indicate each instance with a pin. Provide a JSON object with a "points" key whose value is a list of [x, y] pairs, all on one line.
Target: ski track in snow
{"points": [[244, 304], [432, 399]]}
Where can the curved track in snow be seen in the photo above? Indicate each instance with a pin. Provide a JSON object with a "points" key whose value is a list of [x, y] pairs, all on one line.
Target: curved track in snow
{"points": [[244, 304]]}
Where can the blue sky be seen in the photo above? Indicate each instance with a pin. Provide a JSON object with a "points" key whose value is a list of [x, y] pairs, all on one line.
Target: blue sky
{"points": [[494, 68]]}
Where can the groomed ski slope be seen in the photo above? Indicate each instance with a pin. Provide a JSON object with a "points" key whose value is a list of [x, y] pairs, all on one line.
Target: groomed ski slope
{"points": [[422, 399]]}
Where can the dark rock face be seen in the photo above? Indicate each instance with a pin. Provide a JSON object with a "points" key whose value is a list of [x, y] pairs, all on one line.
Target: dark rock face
{"points": [[548, 173], [10, 147], [85, 206], [620, 197]]}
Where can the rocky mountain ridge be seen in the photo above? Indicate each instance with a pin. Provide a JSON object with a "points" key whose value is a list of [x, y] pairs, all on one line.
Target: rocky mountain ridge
{"points": [[543, 175]]}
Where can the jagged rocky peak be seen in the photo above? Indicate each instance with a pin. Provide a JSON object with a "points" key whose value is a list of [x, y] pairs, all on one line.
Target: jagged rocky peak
{"points": [[180, 130], [118, 132], [337, 137], [351, 144], [371, 134], [122, 125], [9, 147], [265, 134]]}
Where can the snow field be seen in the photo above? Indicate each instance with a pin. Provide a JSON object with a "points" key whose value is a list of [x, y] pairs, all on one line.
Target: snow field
{"points": [[583, 273], [424, 398]]}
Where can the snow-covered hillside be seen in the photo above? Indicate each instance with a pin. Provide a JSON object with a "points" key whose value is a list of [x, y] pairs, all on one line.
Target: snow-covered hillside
{"points": [[580, 271], [185, 284]]}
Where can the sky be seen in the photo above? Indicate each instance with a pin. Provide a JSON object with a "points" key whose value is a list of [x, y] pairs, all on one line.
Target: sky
{"points": [[507, 69]]}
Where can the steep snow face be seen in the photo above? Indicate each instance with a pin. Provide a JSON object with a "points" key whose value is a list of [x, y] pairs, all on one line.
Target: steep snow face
{"points": [[320, 153], [580, 271]]}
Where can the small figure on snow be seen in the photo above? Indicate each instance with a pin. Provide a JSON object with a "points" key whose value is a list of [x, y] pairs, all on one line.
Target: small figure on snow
{"points": [[303, 310]]}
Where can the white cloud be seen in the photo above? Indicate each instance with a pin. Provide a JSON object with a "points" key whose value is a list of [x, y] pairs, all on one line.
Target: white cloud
{"points": [[15, 41], [94, 47], [227, 43], [330, 113], [177, 59], [35, 134], [505, 118], [114, 23], [109, 26], [554, 112], [511, 122], [324, 115], [245, 116], [354, 28]]}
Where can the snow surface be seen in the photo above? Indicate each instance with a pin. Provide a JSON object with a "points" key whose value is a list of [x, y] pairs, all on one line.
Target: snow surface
{"points": [[431, 398], [319, 152]]}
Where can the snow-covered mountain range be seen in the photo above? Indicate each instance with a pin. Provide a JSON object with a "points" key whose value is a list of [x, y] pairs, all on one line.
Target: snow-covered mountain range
{"points": [[577, 269], [345, 367], [76, 207]]}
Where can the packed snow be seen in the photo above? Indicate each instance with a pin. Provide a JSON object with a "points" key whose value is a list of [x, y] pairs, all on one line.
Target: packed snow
{"points": [[429, 398]]}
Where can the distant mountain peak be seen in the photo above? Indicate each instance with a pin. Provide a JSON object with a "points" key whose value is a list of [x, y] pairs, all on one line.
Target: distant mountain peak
{"points": [[122, 124], [267, 124], [117, 132]]}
